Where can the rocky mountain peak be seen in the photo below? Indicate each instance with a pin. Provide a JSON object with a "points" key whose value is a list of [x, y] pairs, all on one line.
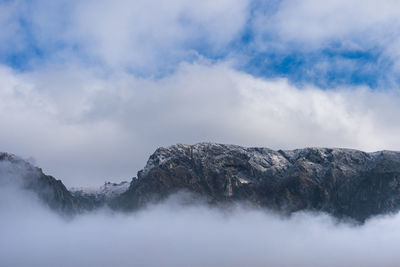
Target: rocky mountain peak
{"points": [[14, 171], [342, 182], [345, 183]]}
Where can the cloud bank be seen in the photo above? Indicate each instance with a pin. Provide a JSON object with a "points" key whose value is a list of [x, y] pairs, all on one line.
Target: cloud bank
{"points": [[170, 234], [91, 89], [141, 36], [98, 127]]}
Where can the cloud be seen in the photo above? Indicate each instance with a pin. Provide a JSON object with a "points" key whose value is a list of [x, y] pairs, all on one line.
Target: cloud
{"points": [[147, 33], [142, 36], [366, 26], [85, 126], [327, 43], [315, 23], [107, 83], [170, 234], [335, 43]]}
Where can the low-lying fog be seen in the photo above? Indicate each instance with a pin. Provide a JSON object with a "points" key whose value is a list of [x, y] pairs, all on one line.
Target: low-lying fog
{"points": [[170, 234]]}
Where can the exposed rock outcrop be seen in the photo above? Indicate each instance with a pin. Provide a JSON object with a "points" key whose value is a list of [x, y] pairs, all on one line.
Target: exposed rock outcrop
{"points": [[15, 171], [342, 182], [93, 198]]}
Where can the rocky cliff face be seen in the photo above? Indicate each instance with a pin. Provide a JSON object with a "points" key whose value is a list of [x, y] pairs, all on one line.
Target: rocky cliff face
{"points": [[19, 173], [16, 172], [342, 182], [93, 198]]}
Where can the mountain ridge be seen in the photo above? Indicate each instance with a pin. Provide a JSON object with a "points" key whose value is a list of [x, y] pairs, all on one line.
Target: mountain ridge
{"points": [[345, 183], [14, 171], [342, 182]]}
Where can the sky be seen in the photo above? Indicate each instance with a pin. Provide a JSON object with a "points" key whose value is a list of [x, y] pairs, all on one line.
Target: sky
{"points": [[89, 89]]}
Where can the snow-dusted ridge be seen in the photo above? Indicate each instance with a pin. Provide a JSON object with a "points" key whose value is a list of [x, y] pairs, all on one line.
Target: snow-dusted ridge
{"points": [[342, 182], [105, 192]]}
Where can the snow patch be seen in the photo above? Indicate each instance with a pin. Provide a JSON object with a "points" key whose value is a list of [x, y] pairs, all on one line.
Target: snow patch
{"points": [[109, 190]]}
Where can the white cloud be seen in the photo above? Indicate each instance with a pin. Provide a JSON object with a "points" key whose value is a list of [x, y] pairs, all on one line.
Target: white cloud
{"points": [[172, 235], [353, 24], [149, 36], [11, 35], [144, 36], [84, 126]]}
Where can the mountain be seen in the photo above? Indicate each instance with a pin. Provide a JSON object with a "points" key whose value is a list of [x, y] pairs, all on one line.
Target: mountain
{"points": [[98, 197], [345, 183], [342, 182], [15, 171]]}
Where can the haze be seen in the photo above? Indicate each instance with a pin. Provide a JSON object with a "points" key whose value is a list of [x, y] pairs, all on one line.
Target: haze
{"points": [[172, 234]]}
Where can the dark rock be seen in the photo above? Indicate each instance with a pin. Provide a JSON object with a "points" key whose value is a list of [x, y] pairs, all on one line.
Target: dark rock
{"points": [[343, 182], [19, 173], [16, 172], [93, 198]]}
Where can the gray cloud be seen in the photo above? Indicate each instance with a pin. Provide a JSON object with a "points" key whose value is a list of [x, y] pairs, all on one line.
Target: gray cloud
{"points": [[86, 124], [170, 234], [144, 36], [311, 25], [85, 127]]}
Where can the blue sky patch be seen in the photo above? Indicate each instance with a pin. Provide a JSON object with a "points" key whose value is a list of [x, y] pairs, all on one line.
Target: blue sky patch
{"points": [[327, 66]]}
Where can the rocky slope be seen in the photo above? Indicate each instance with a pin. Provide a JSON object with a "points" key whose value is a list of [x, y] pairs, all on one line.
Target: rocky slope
{"points": [[98, 197], [345, 183], [342, 182], [17, 172]]}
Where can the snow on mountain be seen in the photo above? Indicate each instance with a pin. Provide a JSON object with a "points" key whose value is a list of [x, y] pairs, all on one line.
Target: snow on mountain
{"points": [[103, 193]]}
